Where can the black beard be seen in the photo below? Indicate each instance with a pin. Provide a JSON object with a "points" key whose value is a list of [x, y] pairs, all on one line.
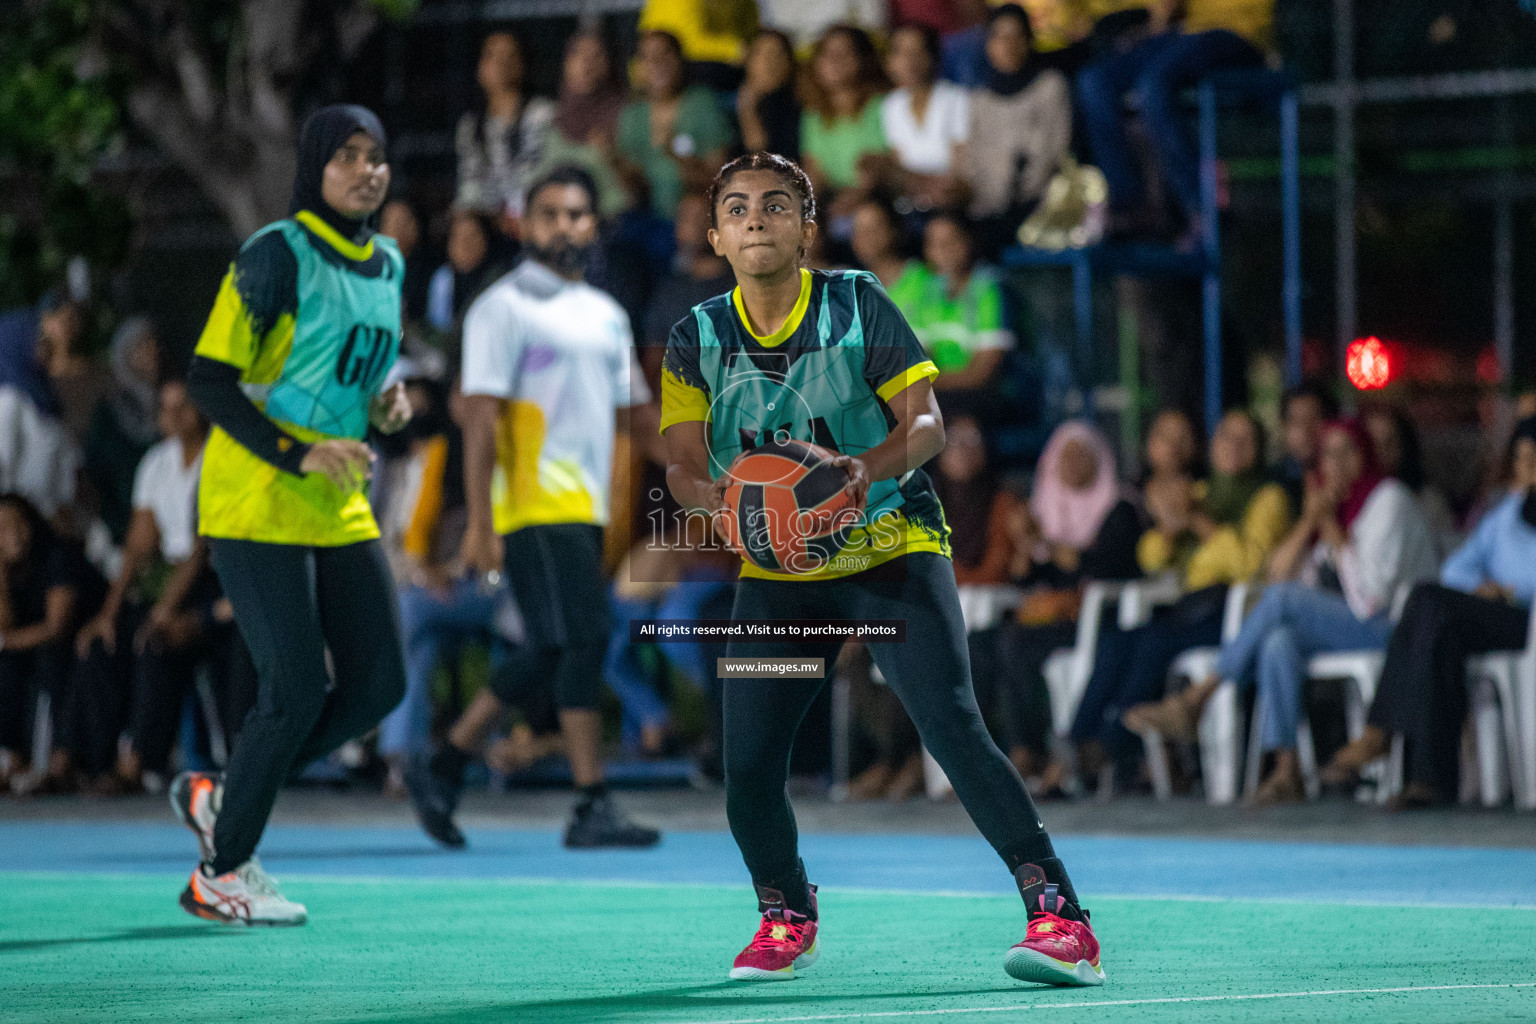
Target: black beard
{"points": [[564, 258]]}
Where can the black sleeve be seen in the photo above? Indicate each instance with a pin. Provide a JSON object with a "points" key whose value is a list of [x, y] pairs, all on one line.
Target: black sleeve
{"points": [[267, 277], [890, 347], [215, 387], [1112, 556]]}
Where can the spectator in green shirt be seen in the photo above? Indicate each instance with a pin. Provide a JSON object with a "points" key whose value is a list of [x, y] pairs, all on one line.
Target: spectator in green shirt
{"points": [[676, 137], [842, 140], [956, 309]]}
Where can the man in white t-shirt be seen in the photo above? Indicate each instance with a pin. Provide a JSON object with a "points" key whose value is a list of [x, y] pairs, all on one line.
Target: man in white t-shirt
{"points": [[549, 374], [148, 629]]}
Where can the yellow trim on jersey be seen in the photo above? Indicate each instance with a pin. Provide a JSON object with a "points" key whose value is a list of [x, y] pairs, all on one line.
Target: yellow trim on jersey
{"points": [[681, 402], [867, 547], [791, 323], [906, 378], [351, 250], [528, 489]]}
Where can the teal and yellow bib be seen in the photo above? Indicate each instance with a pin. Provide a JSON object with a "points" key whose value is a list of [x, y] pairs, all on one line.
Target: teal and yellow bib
{"points": [[824, 377], [313, 322]]}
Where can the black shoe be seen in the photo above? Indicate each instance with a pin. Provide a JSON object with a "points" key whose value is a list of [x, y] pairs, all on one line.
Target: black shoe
{"points": [[601, 823], [434, 800]]}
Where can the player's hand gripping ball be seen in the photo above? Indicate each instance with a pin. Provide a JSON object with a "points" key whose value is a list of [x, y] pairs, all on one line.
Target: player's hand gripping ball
{"points": [[787, 508]]}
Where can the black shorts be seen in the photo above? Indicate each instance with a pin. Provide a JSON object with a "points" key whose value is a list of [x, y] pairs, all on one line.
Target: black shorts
{"points": [[556, 573]]}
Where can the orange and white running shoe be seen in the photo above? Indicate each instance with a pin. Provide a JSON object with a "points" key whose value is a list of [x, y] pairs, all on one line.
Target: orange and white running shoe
{"points": [[785, 941], [1059, 947], [244, 896], [195, 797]]}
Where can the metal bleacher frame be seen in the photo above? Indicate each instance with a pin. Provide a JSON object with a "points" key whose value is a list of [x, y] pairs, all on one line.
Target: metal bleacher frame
{"points": [[1259, 86]]}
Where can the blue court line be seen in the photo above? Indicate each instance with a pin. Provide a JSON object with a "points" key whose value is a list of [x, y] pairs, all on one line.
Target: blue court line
{"points": [[1109, 865]]}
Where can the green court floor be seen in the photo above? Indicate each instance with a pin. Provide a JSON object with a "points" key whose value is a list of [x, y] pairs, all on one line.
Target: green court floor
{"points": [[78, 948]]}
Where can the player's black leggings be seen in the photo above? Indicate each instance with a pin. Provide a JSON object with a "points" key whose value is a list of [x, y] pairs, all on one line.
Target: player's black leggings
{"points": [[293, 604], [931, 674], [556, 573]]}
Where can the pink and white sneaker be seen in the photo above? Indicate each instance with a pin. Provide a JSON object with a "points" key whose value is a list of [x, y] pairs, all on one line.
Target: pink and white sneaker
{"points": [[785, 941], [1059, 948]]}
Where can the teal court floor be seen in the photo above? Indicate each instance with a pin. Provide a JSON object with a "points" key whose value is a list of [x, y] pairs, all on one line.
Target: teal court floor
{"points": [[914, 928]]}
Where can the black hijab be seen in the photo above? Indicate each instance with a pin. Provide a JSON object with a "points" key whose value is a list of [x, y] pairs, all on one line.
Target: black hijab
{"points": [[324, 132], [1011, 83]]}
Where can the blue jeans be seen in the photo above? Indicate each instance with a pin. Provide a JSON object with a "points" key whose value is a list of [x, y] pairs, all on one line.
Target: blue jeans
{"points": [[1131, 667], [1290, 624], [1156, 69], [642, 706], [428, 623]]}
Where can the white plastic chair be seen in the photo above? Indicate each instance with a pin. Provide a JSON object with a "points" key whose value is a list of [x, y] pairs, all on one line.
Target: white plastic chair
{"points": [[1513, 676], [1068, 670], [1220, 738]]}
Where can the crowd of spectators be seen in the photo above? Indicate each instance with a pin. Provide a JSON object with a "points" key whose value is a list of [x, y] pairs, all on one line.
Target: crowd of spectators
{"points": [[931, 131]]}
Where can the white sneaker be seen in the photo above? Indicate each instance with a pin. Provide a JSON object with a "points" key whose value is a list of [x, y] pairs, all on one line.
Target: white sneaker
{"points": [[246, 895], [196, 798]]}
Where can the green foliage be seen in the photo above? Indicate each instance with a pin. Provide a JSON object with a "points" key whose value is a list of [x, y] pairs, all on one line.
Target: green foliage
{"points": [[396, 10], [54, 127]]}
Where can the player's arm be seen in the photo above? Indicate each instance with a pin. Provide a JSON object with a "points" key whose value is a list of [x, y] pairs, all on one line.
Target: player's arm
{"points": [[688, 475], [917, 437], [481, 550], [492, 342], [684, 417]]}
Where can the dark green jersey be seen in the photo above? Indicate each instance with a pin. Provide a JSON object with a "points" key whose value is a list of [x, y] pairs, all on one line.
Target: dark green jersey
{"points": [[824, 377]]}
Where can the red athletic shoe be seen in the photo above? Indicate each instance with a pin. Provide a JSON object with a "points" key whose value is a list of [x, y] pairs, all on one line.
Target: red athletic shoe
{"points": [[1059, 948], [784, 941]]}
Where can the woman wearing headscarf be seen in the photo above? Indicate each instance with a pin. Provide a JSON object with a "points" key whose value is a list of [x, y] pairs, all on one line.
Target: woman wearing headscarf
{"points": [[1360, 539], [289, 370], [1078, 526], [1020, 128], [37, 456], [586, 120], [1481, 603], [123, 425], [1213, 533]]}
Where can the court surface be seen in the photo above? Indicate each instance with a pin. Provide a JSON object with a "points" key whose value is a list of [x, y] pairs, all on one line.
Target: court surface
{"points": [[516, 929]]}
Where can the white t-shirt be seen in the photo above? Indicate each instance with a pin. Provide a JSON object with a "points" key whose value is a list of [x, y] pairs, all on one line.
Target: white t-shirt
{"points": [[165, 485], [562, 355], [927, 147], [1391, 547]]}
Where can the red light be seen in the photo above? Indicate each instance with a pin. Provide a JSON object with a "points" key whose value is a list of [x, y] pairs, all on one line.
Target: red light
{"points": [[1367, 365]]}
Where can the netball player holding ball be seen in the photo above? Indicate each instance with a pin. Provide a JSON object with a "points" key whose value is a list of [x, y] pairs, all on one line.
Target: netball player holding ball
{"points": [[826, 358]]}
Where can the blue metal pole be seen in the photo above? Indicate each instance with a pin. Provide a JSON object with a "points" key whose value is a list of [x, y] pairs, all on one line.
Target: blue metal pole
{"points": [[1211, 250], [1290, 226]]}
